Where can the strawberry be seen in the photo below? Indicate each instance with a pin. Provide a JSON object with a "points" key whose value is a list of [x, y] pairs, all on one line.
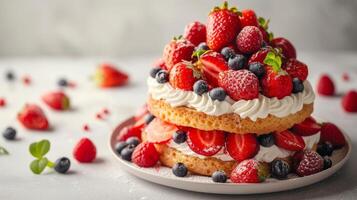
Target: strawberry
{"points": [[349, 101], [145, 155], [2, 102], [296, 69], [205, 143], [345, 77], [249, 40], [33, 117], [259, 56], [331, 133], [310, 163], [130, 131], [289, 141], [177, 50], [248, 18], [263, 27], [240, 84], [159, 132], [223, 25], [276, 82], [141, 112], [57, 100], [286, 46], [250, 171], [242, 146], [160, 63], [183, 76], [195, 32], [306, 128], [325, 86], [107, 75], [211, 64], [85, 151]]}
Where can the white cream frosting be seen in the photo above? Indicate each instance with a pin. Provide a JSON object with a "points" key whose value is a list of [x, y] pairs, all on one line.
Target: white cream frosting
{"points": [[253, 109]]}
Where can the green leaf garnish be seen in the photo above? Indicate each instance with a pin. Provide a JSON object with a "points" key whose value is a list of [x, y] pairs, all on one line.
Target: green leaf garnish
{"points": [[37, 166], [39, 149], [273, 60], [3, 151]]}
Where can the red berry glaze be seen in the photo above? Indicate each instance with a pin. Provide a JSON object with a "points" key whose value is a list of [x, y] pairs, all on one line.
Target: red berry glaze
{"points": [[331, 133], [145, 155], [183, 76], [159, 131], [195, 32], [325, 86], [306, 128], [85, 151], [33, 117], [205, 143], [289, 141], [349, 101], [176, 51], [249, 40], [242, 146], [296, 69], [286, 46], [241, 84]]}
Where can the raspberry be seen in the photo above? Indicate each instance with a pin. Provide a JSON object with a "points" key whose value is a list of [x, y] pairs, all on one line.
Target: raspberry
{"points": [[176, 51], [195, 32], [349, 101], [241, 84], [296, 69], [325, 86], [311, 163], [249, 40], [145, 155], [85, 151]]}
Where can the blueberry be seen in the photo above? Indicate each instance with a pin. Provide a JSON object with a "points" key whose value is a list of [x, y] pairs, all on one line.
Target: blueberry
{"points": [[179, 169], [148, 118], [62, 82], [257, 69], [297, 85], [133, 141], [120, 146], [154, 71], [280, 169], [202, 46], [237, 62], [200, 87], [10, 76], [179, 137], [127, 152], [9, 133], [62, 165], [327, 163], [325, 149], [219, 177], [217, 94], [162, 76], [228, 53], [266, 140]]}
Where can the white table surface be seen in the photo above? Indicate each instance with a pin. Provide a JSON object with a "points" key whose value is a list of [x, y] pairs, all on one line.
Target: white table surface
{"points": [[104, 179]]}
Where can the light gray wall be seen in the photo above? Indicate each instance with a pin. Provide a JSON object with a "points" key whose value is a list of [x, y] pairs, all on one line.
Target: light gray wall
{"points": [[129, 28]]}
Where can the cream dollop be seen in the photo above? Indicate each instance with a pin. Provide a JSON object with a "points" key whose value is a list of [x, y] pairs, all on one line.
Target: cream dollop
{"points": [[268, 154], [253, 109]]}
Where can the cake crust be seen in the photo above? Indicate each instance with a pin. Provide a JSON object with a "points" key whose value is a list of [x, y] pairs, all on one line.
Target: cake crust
{"points": [[232, 123]]}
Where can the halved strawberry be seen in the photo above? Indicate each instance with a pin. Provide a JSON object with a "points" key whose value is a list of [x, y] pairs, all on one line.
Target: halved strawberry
{"points": [[159, 131], [211, 64], [242, 146], [205, 143], [331, 133], [289, 141], [308, 127]]}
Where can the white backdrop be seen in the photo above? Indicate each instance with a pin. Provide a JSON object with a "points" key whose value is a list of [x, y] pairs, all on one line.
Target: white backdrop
{"points": [[130, 28]]}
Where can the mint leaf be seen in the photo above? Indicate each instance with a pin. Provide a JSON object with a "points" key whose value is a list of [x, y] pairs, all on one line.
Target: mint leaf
{"points": [[274, 61], [39, 149], [37, 166], [3, 151]]}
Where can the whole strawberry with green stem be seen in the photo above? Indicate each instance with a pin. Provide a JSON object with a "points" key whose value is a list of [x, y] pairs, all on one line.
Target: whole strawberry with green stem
{"points": [[183, 75], [276, 82], [223, 25], [177, 50], [57, 100]]}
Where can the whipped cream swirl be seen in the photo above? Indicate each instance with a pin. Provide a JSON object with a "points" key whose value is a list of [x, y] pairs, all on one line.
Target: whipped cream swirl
{"points": [[253, 109]]}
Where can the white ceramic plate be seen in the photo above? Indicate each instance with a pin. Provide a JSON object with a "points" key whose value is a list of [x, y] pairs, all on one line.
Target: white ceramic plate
{"points": [[163, 175]]}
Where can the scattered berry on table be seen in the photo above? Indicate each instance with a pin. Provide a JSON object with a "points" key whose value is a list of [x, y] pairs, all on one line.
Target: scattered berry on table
{"points": [[9, 133], [106, 111], [249, 40], [280, 169], [219, 177], [98, 116], [57, 100], [145, 155], [298, 85], [331, 133], [237, 62], [133, 141], [311, 163], [349, 101], [26, 80], [62, 82], [62, 165], [179, 170], [202, 46], [148, 118], [107, 75], [162, 76], [325, 149], [250, 171], [183, 75], [200, 87], [154, 71], [2, 102], [286, 46], [119, 146], [345, 77], [228, 53], [266, 140], [10, 76], [180, 136], [72, 84], [177, 50], [85, 151], [325, 86], [242, 146], [195, 32], [86, 127], [217, 94], [327, 163], [33, 117], [257, 68]]}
